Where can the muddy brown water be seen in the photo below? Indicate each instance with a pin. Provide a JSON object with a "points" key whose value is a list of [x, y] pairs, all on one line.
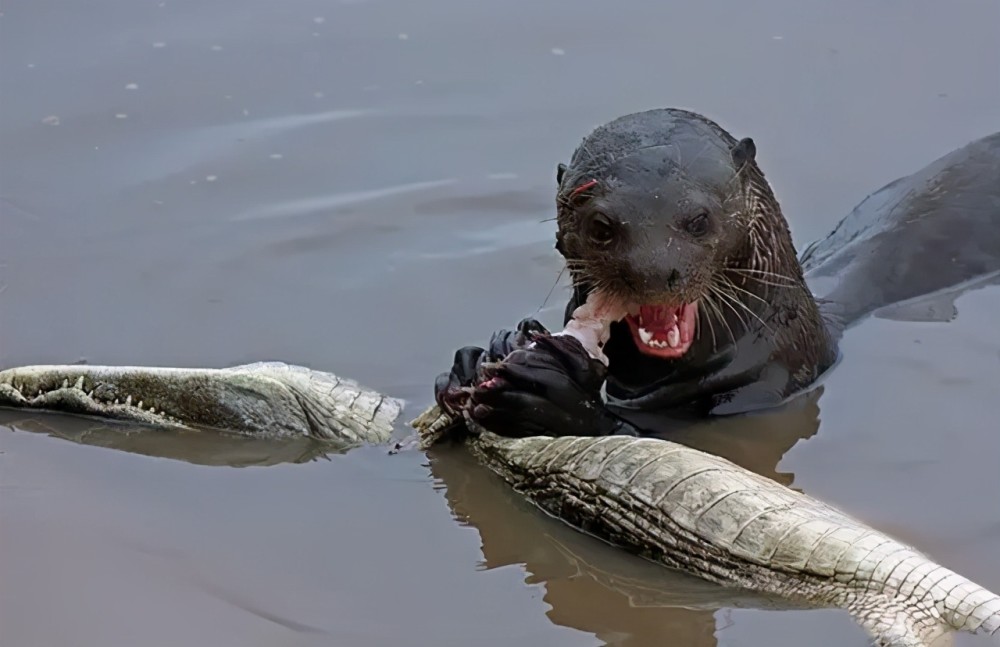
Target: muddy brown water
{"points": [[363, 186]]}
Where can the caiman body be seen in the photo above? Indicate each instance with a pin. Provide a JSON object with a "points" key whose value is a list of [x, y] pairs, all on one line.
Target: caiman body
{"points": [[672, 504], [705, 515], [269, 399]]}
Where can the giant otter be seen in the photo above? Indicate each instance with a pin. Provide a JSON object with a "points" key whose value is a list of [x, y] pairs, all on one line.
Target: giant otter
{"points": [[667, 211]]}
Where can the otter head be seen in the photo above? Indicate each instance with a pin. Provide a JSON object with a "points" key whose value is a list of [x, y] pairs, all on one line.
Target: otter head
{"points": [[651, 211]]}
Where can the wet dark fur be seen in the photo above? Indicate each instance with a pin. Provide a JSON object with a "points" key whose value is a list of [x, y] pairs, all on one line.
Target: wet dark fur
{"points": [[760, 335]]}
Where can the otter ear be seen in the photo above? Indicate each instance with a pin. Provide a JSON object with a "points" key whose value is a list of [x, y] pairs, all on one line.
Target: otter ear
{"points": [[743, 152], [560, 172]]}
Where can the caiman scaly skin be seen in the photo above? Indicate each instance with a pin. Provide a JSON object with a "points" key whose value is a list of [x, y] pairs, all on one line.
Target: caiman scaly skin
{"points": [[707, 516], [265, 399]]}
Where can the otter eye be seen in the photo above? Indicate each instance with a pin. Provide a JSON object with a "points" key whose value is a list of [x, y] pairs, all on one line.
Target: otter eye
{"points": [[698, 226], [601, 229]]}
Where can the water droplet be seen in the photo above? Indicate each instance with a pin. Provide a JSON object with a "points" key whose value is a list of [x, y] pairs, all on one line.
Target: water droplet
{"points": [[211, 178], [159, 44], [319, 20], [558, 51], [404, 37], [132, 86], [276, 156], [31, 65], [777, 37], [121, 115], [246, 113], [51, 120], [216, 48], [318, 95]]}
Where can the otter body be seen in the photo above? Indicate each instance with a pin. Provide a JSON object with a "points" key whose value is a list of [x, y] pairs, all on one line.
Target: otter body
{"points": [[667, 212], [760, 334]]}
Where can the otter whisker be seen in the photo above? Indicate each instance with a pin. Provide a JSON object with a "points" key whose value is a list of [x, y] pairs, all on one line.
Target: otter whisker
{"points": [[709, 300], [726, 300], [551, 289], [747, 308], [744, 290], [711, 326], [754, 273]]}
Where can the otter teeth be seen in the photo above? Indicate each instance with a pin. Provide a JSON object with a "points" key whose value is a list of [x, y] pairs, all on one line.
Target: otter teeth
{"points": [[673, 338]]}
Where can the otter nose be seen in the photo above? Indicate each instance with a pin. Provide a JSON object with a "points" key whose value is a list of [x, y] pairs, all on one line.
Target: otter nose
{"points": [[663, 277], [654, 271], [655, 277]]}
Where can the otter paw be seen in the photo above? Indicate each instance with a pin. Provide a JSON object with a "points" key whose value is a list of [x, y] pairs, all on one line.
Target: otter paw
{"points": [[562, 354], [550, 388], [451, 389]]}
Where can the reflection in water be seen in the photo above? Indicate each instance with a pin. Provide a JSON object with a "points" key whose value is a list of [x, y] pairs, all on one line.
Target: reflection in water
{"points": [[594, 587], [200, 448]]}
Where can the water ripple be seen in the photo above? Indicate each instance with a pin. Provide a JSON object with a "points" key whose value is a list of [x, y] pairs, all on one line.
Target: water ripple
{"points": [[318, 204]]}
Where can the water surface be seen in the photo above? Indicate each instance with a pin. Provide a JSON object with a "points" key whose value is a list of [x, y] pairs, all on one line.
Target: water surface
{"points": [[364, 186]]}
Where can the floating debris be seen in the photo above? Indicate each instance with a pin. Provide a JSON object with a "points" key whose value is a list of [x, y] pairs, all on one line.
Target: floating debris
{"points": [[51, 120]]}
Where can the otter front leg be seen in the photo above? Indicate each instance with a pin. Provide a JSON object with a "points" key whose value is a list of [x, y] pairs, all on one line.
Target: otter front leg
{"points": [[550, 388]]}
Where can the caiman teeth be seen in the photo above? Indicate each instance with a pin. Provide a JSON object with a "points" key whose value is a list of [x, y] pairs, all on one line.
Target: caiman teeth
{"points": [[65, 383], [674, 337], [645, 336], [128, 401], [79, 383]]}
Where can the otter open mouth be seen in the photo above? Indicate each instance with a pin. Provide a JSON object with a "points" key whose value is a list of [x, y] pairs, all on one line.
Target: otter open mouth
{"points": [[664, 331]]}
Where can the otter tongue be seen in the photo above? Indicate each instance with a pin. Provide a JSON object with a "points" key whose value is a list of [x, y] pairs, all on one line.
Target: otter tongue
{"points": [[658, 319]]}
